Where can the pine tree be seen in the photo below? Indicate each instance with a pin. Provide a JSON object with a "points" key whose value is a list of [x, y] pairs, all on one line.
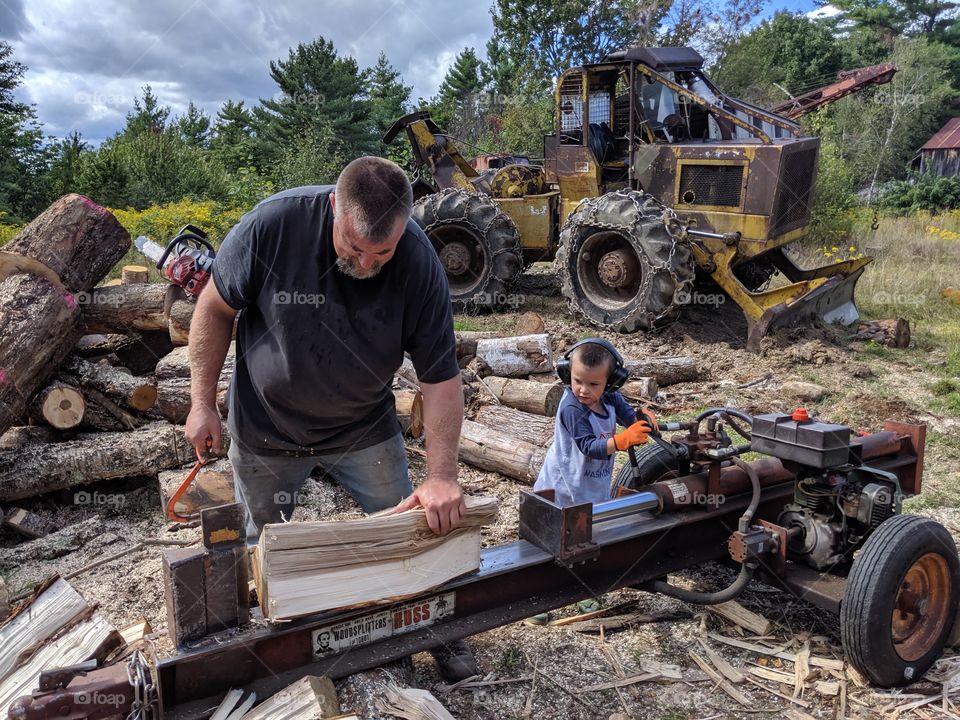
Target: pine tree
{"points": [[148, 115], [194, 126], [389, 98], [231, 139]]}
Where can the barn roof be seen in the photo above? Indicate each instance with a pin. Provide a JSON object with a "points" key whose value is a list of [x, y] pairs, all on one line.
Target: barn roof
{"points": [[947, 138]]}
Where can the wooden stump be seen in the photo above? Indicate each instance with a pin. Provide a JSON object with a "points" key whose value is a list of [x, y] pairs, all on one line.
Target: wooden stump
{"points": [[893, 333], [134, 274], [62, 406], [44, 271], [527, 395], [516, 356], [495, 451], [534, 429], [37, 469]]}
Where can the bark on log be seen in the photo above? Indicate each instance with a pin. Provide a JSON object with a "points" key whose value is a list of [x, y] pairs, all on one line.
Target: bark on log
{"points": [[665, 370], [498, 452], [134, 274], [176, 364], [178, 321], [75, 240], [516, 356], [467, 340], [893, 333], [527, 395], [534, 429], [136, 393], [20, 435], [104, 415], [60, 405], [37, 469], [173, 399], [123, 308], [410, 411]]}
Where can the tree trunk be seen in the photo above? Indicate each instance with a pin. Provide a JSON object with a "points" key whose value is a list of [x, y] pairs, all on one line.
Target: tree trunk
{"points": [[467, 340], [534, 429], [527, 395], [122, 308], [665, 370], [76, 241], [410, 411], [893, 333], [37, 469], [176, 364], [133, 392], [495, 451], [516, 356], [173, 399], [60, 405], [20, 435], [644, 388], [178, 321]]}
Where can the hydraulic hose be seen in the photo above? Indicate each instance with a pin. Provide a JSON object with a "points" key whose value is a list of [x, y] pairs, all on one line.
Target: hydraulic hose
{"points": [[708, 598], [746, 570], [729, 411]]}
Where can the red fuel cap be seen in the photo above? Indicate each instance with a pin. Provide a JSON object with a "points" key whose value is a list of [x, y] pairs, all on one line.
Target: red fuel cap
{"points": [[800, 415]]}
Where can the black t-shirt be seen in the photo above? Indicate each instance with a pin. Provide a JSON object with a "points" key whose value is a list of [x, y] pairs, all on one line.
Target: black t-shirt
{"points": [[317, 349]]}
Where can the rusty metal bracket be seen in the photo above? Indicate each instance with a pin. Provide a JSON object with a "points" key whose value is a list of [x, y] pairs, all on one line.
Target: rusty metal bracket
{"points": [[564, 532]]}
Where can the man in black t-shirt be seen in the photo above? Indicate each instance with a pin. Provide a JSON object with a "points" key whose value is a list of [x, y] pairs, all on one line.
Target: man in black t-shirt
{"points": [[332, 286]]}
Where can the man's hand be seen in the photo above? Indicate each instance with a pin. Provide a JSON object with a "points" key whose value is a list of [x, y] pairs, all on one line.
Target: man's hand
{"points": [[443, 502], [202, 423]]}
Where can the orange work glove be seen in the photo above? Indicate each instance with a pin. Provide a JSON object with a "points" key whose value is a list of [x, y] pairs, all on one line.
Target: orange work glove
{"points": [[647, 414], [636, 434]]}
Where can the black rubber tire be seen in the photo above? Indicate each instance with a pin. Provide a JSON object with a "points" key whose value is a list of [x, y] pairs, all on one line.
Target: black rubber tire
{"points": [[653, 461], [479, 224], [632, 221], [869, 600]]}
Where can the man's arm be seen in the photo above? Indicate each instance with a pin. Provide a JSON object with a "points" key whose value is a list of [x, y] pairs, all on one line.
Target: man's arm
{"points": [[440, 494], [210, 332]]}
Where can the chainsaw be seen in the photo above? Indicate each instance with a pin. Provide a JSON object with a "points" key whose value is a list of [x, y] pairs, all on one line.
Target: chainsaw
{"points": [[187, 261]]}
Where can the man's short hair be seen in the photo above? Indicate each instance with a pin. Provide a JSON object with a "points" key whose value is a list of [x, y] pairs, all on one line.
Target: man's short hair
{"points": [[593, 355], [376, 194]]}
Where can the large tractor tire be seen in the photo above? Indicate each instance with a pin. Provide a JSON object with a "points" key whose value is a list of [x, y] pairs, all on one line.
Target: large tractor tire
{"points": [[478, 245], [618, 265], [654, 463], [900, 601]]}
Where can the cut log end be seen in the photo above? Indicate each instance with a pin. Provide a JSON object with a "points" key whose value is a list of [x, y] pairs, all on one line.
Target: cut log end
{"points": [[61, 406], [144, 397]]}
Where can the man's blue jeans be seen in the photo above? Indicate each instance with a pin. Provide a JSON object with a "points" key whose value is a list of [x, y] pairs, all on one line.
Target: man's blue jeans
{"points": [[268, 485]]}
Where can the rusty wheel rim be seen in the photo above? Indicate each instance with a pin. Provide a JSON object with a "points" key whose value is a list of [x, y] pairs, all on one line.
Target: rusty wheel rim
{"points": [[609, 270], [922, 607]]}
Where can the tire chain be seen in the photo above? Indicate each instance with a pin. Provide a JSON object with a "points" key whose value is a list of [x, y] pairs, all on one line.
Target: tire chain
{"points": [[589, 207], [468, 196]]}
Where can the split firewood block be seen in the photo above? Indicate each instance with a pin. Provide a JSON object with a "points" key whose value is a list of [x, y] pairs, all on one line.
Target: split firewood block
{"points": [[183, 581], [26, 523], [213, 486]]}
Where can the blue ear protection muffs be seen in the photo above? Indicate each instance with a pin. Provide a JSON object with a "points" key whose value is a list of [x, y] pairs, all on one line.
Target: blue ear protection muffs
{"points": [[618, 376]]}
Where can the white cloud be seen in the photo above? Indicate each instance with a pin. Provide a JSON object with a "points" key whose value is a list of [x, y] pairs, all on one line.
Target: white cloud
{"points": [[88, 59]]}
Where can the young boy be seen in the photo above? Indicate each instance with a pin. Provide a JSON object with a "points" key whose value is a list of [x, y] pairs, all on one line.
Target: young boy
{"points": [[579, 464]]}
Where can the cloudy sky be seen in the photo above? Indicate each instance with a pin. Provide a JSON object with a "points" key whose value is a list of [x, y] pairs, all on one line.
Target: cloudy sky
{"points": [[88, 59]]}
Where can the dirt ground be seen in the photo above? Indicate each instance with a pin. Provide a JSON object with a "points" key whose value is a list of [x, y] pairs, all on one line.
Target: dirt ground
{"points": [[863, 388]]}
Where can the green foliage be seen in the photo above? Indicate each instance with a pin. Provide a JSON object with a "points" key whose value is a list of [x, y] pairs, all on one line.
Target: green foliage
{"points": [[389, 99], [8, 230], [318, 90], [193, 126], [521, 125], [313, 158], [922, 191], [161, 222], [148, 115], [789, 50], [66, 164], [23, 159], [832, 217], [231, 139]]}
